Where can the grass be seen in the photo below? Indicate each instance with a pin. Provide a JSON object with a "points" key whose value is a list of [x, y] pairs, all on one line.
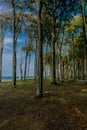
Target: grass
{"points": [[63, 107]]}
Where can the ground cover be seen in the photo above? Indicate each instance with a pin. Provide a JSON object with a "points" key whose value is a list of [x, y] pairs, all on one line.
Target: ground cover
{"points": [[63, 107]]}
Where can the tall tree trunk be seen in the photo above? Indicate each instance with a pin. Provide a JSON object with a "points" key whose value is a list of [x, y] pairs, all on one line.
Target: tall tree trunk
{"points": [[63, 70], [29, 58], [35, 67], [85, 33], [1, 49], [36, 62], [61, 61], [0, 65], [73, 68], [78, 69], [40, 57], [73, 57], [25, 64], [61, 67], [53, 78], [46, 68], [14, 44], [83, 68], [20, 75]]}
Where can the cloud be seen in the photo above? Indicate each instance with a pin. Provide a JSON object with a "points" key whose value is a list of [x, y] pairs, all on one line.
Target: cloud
{"points": [[7, 65], [8, 40], [8, 43]]}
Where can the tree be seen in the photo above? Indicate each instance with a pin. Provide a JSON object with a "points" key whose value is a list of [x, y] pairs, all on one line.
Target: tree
{"points": [[28, 48], [17, 27], [40, 58], [84, 33], [14, 43], [57, 9], [14, 25], [3, 26], [72, 33], [1, 46]]}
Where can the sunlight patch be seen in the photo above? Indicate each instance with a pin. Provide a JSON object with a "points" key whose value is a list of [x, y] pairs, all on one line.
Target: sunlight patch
{"points": [[63, 101], [84, 90]]}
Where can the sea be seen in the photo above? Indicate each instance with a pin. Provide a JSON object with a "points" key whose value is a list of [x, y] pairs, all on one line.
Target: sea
{"points": [[10, 78]]}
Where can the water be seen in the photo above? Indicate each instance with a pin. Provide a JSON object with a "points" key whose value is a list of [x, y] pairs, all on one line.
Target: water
{"points": [[10, 78]]}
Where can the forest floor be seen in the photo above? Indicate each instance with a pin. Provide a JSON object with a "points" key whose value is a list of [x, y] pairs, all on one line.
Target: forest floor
{"points": [[63, 107]]}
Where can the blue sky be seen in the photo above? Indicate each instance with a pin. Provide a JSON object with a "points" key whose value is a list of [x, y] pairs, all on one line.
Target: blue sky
{"points": [[7, 52]]}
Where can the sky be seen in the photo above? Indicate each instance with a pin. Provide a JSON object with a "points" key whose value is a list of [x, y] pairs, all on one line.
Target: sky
{"points": [[7, 57]]}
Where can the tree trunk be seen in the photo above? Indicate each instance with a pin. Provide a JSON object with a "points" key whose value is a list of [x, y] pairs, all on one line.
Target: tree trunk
{"points": [[78, 69], [63, 70], [73, 68], [20, 75], [85, 34], [46, 70], [83, 68], [25, 64], [61, 67], [61, 61], [0, 65], [53, 78], [35, 66], [14, 45], [58, 72], [20, 72], [36, 62], [73, 58], [1, 50], [40, 57], [29, 58]]}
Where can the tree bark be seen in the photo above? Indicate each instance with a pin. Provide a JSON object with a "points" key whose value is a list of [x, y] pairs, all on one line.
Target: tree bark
{"points": [[0, 65], [61, 67], [1, 50], [73, 57], [83, 68], [29, 58], [46, 70], [25, 64], [53, 78], [20, 75], [14, 45], [40, 57], [36, 62], [85, 34]]}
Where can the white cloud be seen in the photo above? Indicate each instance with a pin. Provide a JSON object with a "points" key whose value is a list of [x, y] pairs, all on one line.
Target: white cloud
{"points": [[7, 65], [8, 40], [8, 43]]}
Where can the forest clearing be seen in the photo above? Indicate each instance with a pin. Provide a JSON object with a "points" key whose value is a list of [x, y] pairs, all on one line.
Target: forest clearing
{"points": [[63, 106]]}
